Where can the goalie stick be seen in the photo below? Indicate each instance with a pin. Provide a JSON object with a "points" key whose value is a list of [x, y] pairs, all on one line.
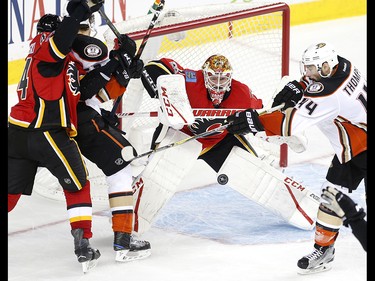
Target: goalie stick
{"points": [[219, 113], [157, 12], [127, 151]]}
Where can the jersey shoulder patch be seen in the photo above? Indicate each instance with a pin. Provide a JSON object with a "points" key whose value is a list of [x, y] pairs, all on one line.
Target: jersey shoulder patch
{"points": [[190, 76]]}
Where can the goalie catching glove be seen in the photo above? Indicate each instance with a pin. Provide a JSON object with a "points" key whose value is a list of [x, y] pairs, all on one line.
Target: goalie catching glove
{"points": [[290, 95], [244, 122], [342, 205]]}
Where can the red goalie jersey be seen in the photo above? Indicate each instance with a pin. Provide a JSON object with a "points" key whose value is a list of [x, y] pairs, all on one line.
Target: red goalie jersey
{"points": [[236, 96]]}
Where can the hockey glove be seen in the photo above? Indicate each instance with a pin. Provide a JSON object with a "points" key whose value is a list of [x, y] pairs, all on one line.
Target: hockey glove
{"points": [[244, 122], [125, 44], [110, 120], [290, 95], [90, 6], [342, 205], [124, 74]]}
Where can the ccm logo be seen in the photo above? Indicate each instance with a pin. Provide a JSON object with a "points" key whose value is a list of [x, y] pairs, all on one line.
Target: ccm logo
{"points": [[293, 183], [137, 185], [167, 103]]}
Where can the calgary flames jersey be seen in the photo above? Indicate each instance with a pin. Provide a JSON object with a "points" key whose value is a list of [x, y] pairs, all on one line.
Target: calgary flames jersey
{"points": [[48, 92], [239, 97]]}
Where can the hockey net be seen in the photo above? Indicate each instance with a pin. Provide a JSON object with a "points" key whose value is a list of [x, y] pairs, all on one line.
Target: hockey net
{"points": [[253, 36]]}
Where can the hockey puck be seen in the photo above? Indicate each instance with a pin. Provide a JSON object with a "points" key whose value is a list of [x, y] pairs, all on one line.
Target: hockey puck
{"points": [[222, 179]]}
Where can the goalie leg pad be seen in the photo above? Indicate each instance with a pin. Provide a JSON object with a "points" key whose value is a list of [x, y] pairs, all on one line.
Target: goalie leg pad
{"points": [[267, 186], [155, 186]]}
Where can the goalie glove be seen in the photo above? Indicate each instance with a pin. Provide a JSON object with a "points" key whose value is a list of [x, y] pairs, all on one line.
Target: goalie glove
{"points": [[342, 205], [244, 122], [290, 95]]}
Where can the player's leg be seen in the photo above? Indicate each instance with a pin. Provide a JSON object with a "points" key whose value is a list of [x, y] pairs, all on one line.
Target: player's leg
{"points": [[102, 145], [21, 170], [345, 177], [61, 156]]}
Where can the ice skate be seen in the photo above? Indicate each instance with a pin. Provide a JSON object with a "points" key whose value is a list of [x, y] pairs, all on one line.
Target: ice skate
{"points": [[87, 256], [128, 248], [319, 260]]}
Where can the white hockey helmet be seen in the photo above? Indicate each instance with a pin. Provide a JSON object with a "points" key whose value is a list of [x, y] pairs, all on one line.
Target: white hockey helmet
{"points": [[217, 73], [317, 54]]}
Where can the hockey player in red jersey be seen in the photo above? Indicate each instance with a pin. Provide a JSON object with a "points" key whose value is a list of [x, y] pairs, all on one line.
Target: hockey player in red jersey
{"points": [[212, 86], [99, 138], [335, 100], [43, 122]]}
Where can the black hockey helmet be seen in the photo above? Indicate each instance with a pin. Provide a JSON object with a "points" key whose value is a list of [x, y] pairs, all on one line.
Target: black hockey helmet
{"points": [[48, 23]]}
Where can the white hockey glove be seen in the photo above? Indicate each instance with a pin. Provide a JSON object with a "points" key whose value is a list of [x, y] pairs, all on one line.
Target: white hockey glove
{"points": [[244, 122], [342, 205]]}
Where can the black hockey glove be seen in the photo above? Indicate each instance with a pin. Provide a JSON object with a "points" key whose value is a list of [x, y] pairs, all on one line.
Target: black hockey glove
{"points": [[342, 205], [123, 74], [89, 7], [125, 44], [290, 95], [244, 122], [110, 120]]}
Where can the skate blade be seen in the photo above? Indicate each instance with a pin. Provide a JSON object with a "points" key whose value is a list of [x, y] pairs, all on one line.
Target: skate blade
{"points": [[126, 256], [322, 268], [89, 265]]}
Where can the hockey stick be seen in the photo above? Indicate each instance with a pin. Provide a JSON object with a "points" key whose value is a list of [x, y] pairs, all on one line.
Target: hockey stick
{"points": [[127, 151], [217, 113], [157, 12]]}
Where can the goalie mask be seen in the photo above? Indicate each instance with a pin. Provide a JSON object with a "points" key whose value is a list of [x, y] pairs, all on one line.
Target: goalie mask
{"points": [[316, 55], [48, 23], [217, 73]]}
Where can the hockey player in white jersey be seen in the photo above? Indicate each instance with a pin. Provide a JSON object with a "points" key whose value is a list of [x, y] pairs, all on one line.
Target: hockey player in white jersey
{"points": [[332, 95]]}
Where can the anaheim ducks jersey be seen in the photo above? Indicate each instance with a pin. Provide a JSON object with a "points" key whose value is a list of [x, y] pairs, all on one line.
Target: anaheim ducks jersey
{"points": [[239, 97], [48, 91], [89, 53], [336, 105]]}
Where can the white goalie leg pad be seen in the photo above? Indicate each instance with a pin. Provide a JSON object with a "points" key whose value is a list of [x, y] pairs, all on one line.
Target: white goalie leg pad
{"points": [[267, 186], [155, 186], [174, 103]]}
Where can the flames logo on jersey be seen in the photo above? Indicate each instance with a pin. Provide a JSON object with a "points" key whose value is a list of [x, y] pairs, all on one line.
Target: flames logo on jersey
{"points": [[202, 125], [72, 78]]}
